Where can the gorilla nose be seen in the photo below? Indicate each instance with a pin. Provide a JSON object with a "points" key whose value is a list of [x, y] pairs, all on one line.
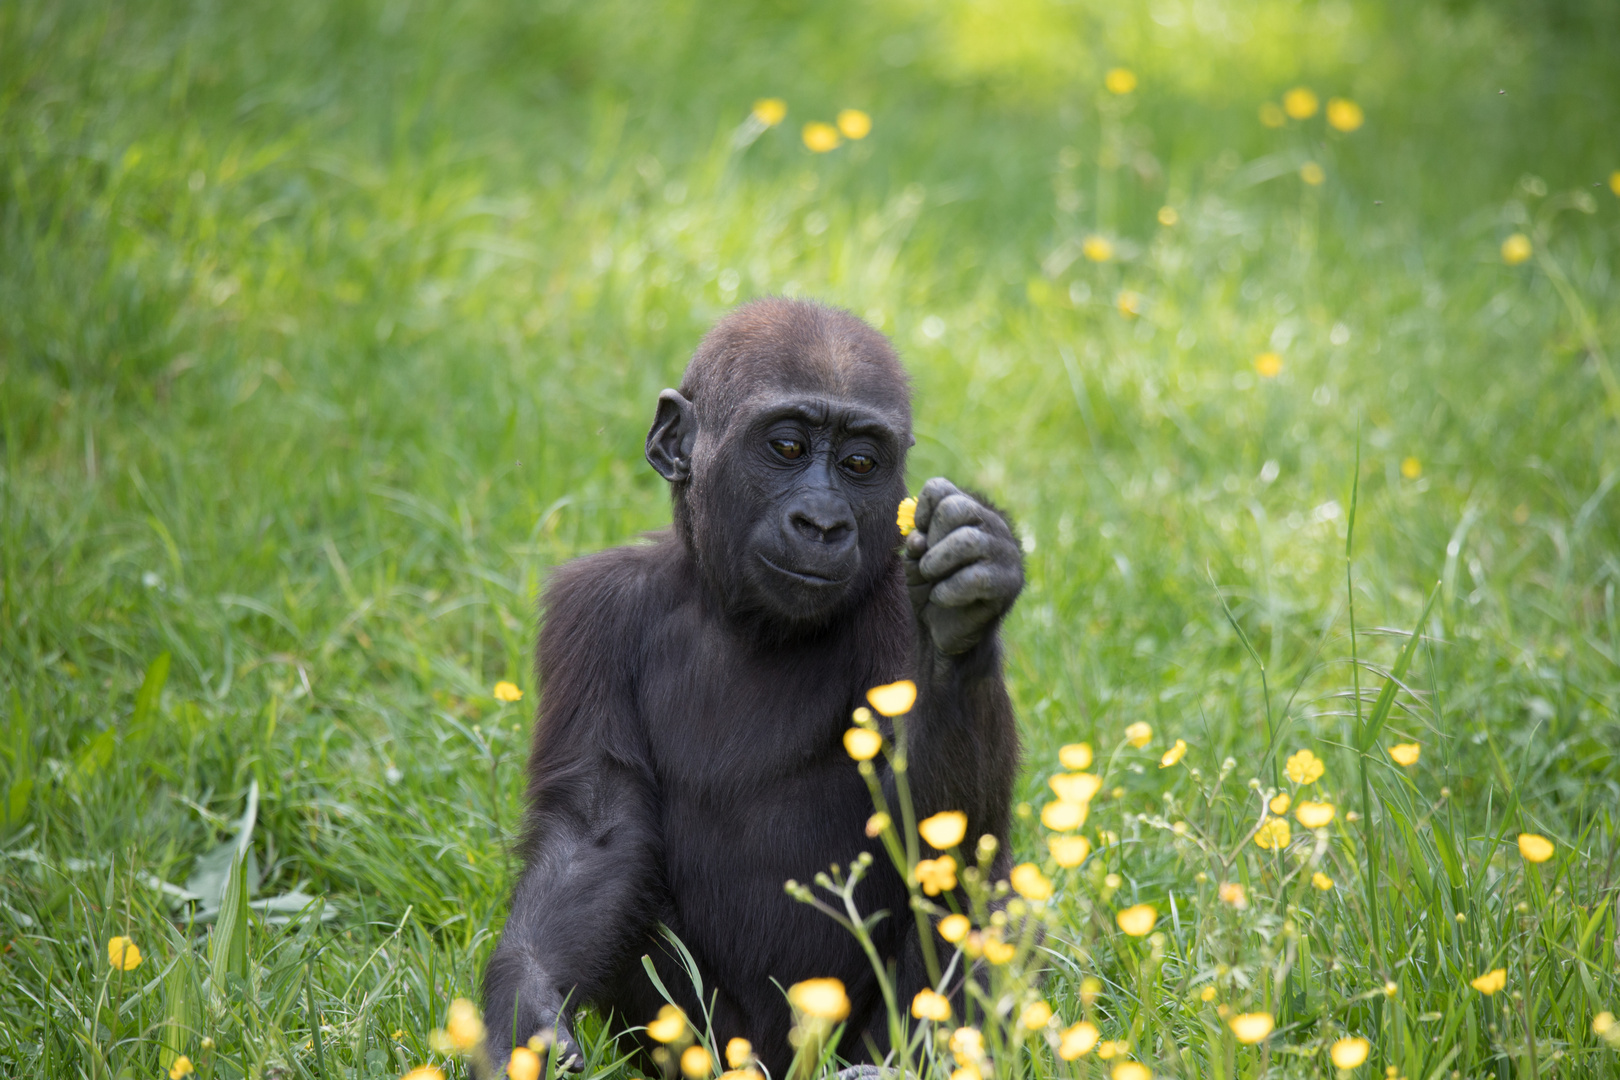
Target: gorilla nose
{"points": [[822, 521]]}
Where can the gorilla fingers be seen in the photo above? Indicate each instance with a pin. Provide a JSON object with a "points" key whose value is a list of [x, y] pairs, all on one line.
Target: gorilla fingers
{"points": [[963, 566]]}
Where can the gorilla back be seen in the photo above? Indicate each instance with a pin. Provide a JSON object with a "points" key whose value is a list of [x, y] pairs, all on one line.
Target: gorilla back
{"points": [[687, 757]]}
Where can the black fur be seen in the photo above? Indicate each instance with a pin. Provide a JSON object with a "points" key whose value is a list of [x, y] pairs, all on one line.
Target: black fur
{"points": [[687, 758]]}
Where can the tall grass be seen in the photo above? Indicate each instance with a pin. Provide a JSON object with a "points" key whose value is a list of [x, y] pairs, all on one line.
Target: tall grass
{"points": [[325, 331]]}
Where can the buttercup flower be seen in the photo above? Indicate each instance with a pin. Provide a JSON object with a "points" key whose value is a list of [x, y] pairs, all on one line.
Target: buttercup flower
{"points": [[967, 1044], [954, 928], [1131, 1070], [770, 111], [1068, 851], [1075, 755], [1062, 816], [906, 516], [1314, 815], [1232, 893], [1535, 848], [123, 954], [1274, 834], [1207, 994], [1349, 1052], [820, 137], [1174, 754], [1304, 767], [1312, 173], [966, 1072], [1411, 468], [1036, 1015], [1516, 249], [424, 1072], [1251, 1028], [877, 823], [1077, 1041], [524, 1064], [1344, 114], [823, 999], [739, 1052], [464, 1030], [1321, 881], [854, 124], [945, 829], [696, 1063], [670, 1025], [936, 875], [862, 744], [182, 1067], [507, 691], [1091, 989], [1137, 921], [1167, 216], [1406, 753], [929, 1005], [1268, 365], [1097, 249], [1139, 734], [1077, 787], [1280, 803], [1120, 80], [1113, 1048], [893, 699], [1300, 103], [1030, 883], [1490, 982], [997, 951], [1129, 303]]}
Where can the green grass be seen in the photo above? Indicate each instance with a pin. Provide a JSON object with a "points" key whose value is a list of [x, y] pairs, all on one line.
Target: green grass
{"points": [[327, 329]]}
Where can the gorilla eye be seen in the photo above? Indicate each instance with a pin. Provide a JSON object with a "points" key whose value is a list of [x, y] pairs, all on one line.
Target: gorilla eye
{"points": [[859, 464], [792, 449]]}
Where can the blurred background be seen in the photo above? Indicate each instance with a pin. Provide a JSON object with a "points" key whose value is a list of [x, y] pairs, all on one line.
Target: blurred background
{"points": [[326, 329]]}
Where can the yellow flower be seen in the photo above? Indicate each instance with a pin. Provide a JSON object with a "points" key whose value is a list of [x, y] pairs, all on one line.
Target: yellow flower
{"points": [[823, 999], [1312, 173], [1271, 115], [1069, 850], [877, 823], [1207, 994], [1411, 468], [906, 516], [936, 875], [123, 954], [1075, 787], [1516, 249], [1314, 815], [1349, 1052], [1113, 1048], [739, 1052], [1251, 1028], [1174, 754], [1268, 364], [1490, 982], [1077, 1041], [670, 1025], [945, 829], [1274, 833], [1075, 755], [1129, 303], [893, 699], [742, 1074], [1139, 734], [1280, 803], [1406, 753], [862, 744], [997, 951], [929, 1005], [1321, 881], [182, 1067], [1091, 989], [696, 1063], [770, 111], [464, 1030], [967, 1044], [820, 137], [1344, 114], [1167, 216], [966, 1072], [1030, 883], [1137, 921], [1534, 847], [523, 1065], [953, 928], [854, 123], [424, 1072], [1304, 767], [1036, 1015], [1120, 80], [1062, 815], [506, 691], [1131, 1070], [1603, 1023], [1097, 249], [1232, 893], [1300, 103]]}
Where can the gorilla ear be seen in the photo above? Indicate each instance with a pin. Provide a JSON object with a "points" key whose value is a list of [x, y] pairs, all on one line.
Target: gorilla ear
{"points": [[669, 443]]}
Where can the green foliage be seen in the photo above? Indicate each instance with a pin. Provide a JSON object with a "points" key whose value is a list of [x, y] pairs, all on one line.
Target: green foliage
{"points": [[327, 329]]}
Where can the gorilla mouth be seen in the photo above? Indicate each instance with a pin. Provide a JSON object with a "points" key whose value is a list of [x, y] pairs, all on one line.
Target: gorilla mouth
{"points": [[800, 575]]}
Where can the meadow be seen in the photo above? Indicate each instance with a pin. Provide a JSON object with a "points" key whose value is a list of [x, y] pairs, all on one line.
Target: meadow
{"points": [[327, 329]]}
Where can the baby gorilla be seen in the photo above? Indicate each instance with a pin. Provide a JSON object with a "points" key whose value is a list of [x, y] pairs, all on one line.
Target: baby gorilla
{"points": [[688, 756]]}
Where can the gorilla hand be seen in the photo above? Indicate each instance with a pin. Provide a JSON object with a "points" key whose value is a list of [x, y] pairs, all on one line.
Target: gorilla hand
{"points": [[539, 1023], [963, 567]]}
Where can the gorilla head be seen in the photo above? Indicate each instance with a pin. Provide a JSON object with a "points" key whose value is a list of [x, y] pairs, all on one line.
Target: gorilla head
{"points": [[786, 444]]}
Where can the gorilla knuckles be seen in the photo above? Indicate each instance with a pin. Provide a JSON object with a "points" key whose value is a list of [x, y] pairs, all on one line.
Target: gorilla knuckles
{"points": [[687, 757]]}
